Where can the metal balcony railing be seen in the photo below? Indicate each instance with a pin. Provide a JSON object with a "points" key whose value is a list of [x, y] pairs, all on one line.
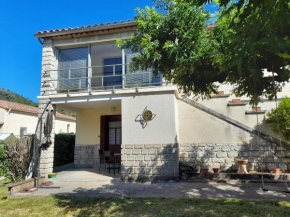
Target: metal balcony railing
{"points": [[107, 77]]}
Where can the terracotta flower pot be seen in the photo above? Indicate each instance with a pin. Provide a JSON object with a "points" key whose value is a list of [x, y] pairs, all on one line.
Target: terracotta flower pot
{"points": [[256, 108], [276, 170], [221, 92], [215, 170], [236, 100], [204, 170]]}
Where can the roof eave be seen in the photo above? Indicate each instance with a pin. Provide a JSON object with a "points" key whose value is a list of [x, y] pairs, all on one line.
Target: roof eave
{"points": [[85, 29]]}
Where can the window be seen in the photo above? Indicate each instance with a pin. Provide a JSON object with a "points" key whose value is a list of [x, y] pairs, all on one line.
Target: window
{"points": [[111, 65], [72, 65], [23, 131], [67, 128], [115, 133]]}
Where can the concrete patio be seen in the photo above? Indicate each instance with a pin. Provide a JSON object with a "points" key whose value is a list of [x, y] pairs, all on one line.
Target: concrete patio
{"points": [[88, 182]]}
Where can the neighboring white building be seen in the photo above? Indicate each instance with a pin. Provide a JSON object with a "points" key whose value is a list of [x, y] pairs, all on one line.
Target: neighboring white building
{"points": [[139, 115], [20, 119]]}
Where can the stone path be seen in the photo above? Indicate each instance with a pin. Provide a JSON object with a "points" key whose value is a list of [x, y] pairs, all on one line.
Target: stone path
{"points": [[89, 183]]}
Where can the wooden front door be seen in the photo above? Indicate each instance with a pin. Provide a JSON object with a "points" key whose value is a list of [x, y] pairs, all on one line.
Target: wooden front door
{"points": [[111, 133]]}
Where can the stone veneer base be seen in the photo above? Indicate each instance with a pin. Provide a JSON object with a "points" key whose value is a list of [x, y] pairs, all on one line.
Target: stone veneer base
{"points": [[86, 156], [262, 156], [150, 162]]}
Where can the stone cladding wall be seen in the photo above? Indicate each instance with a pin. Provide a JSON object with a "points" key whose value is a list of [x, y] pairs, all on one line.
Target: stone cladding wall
{"points": [[262, 156], [150, 161], [86, 156]]}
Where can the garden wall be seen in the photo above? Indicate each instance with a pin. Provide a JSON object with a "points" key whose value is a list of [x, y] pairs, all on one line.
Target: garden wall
{"points": [[262, 156]]}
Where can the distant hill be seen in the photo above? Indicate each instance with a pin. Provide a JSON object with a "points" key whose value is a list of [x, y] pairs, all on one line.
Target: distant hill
{"points": [[15, 97]]}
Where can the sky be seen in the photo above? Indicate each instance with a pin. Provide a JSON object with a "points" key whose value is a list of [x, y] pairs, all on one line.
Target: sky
{"points": [[20, 52]]}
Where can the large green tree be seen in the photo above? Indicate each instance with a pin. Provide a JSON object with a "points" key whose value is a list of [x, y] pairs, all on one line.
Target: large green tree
{"points": [[250, 36], [254, 36], [172, 39]]}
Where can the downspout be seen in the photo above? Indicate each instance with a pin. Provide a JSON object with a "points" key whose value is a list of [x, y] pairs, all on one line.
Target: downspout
{"points": [[40, 41]]}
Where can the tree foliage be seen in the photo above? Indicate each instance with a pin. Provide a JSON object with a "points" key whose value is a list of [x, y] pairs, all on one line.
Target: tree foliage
{"points": [[279, 119], [250, 36], [172, 39], [14, 97], [253, 36]]}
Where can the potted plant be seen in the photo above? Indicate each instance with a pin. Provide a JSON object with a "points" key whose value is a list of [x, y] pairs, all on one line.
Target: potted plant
{"points": [[276, 170], [256, 109], [204, 170], [215, 170], [236, 100]]}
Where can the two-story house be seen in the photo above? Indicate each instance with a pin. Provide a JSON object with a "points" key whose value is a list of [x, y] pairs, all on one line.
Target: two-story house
{"points": [[140, 115]]}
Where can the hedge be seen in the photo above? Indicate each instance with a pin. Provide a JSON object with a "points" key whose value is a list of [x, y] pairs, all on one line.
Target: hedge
{"points": [[64, 147]]}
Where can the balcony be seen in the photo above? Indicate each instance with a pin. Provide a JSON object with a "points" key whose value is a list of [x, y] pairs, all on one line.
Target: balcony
{"points": [[103, 78]]}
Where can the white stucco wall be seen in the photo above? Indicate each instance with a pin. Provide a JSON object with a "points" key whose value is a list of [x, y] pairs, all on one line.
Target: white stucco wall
{"points": [[2, 119], [89, 124], [161, 130], [238, 112], [61, 126], [196, 126], [14, 120]]}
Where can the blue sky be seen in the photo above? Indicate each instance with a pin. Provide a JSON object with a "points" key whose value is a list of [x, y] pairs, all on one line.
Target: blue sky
{"points": [[20, 56]]}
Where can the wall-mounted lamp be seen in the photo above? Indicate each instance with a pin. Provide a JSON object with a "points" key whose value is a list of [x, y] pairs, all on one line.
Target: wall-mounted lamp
{"points": [[113, 109]]}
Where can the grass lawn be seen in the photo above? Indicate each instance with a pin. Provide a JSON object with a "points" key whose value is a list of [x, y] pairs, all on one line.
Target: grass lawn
{"points": [[100, 206]]}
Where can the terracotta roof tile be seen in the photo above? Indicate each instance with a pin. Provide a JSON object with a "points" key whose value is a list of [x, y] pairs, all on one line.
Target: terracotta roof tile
{"points": [[85, 27], [29, 109]]}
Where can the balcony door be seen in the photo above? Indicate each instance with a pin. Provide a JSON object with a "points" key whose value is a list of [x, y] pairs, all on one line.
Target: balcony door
{"points": [[113, 71], [106, 61]]}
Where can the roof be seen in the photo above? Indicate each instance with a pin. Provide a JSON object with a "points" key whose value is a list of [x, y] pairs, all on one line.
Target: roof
{"points": [[4, 136], [87, 29], [29, 109]]}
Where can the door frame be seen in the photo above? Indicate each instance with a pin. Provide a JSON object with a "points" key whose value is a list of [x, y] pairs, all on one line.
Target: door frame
{"points": [[105, 119]]}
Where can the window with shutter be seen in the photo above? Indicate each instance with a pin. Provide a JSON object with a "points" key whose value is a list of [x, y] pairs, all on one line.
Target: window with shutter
{"points": [[72, 65], [139, 77]]}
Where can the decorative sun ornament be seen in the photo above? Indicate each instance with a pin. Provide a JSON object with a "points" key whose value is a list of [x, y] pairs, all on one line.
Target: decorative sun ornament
{"points": [[147, 115]]}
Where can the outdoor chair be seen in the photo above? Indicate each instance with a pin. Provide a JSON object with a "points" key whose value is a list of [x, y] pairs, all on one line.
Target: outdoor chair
{"points": [[101, 156], [109, 160]]}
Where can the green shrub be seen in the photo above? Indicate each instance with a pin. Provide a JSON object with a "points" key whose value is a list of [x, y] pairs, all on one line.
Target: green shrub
{"points": [[4, 163], [279, 119], [64, 147], [15, 157]]}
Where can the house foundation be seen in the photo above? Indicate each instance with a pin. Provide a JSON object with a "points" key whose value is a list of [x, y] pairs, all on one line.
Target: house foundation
{"points": [[150, 161], [262, 156], [86, 156]]}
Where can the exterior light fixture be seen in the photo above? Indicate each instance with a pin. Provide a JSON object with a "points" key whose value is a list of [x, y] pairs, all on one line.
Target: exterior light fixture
{"points": [[113, 109]]}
